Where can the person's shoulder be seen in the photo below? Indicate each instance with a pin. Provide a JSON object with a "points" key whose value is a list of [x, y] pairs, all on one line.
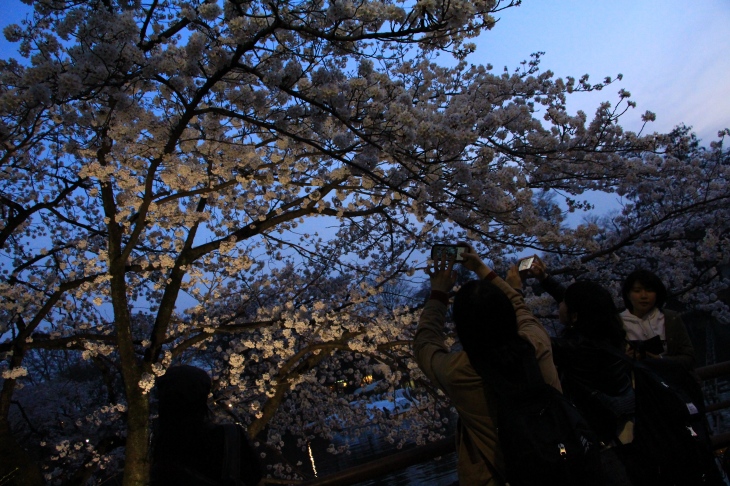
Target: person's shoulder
{"points": [[629, 320]]}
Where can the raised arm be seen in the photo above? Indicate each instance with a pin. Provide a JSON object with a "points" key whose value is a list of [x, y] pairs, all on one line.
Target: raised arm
{"points": [[512, 286], [528, 326], [429, 348], [539, 271]]}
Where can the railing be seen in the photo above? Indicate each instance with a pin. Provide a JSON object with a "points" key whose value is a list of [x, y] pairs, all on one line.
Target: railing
{"points": [[719, 370], [386, 465], [417, 455]]}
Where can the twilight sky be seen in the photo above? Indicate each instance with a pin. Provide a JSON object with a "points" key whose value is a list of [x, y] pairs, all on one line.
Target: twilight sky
{"points": [[674, 54]]}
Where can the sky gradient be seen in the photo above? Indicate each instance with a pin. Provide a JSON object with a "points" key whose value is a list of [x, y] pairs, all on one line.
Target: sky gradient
{"points": [[674, 54]]}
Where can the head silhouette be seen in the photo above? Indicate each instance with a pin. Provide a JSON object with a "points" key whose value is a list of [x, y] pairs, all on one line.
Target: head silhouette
{"points": [[182, 393], [483, 316], [486, 324], [593, 312]]}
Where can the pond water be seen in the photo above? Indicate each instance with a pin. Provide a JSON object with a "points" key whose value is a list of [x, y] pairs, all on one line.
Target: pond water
{"points": [[441, 472], [436, 472]]}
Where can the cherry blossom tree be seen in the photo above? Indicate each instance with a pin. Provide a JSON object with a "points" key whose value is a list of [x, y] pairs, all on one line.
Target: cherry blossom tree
{"points": [[671, 218], [676, 218], [235, 182]]}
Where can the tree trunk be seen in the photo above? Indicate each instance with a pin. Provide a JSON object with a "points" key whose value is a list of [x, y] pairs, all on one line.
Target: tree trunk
{"points": [[17, 468], [136, 462]]}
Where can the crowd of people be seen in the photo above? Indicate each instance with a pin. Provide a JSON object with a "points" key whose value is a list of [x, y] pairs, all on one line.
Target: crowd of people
{"points": [[592, 361]]}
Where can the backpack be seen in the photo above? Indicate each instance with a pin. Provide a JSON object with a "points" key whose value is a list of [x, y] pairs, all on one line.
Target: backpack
{"points": [[544, 439], [671, 435], [671, 444]]}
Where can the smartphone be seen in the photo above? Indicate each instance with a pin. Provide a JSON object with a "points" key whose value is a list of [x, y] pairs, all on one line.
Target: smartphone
{"points": [[452, 252], [525, 264]]}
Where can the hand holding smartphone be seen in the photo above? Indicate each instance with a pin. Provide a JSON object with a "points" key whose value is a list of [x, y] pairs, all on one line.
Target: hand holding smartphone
{"points": [[451, 252], [525, 264]]}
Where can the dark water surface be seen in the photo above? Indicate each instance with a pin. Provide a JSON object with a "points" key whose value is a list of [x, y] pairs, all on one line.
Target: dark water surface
{"points": [[441, 472], [436, 472]]}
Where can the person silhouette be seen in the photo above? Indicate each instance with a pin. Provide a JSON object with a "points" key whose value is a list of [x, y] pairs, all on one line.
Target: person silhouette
{"points": [[188, 447]]}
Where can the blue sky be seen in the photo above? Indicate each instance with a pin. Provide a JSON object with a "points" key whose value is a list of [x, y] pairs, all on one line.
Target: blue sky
{"points": [[674, 54]]}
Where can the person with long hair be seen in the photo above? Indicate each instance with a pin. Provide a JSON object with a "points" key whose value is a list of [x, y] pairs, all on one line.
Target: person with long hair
{"points": [[588, 358], [645, 319], [588, 354], [493, 324]]}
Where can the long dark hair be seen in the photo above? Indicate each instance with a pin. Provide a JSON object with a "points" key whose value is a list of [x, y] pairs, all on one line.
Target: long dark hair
{"points": [[486, 324], [596, 312]]}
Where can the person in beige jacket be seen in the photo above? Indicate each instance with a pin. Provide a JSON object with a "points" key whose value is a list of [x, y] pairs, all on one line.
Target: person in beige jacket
{"points": [[486, 311]]}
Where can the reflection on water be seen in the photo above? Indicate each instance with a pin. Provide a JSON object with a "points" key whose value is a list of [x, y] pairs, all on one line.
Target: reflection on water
{"points": [[369, 447], [441, 472]]}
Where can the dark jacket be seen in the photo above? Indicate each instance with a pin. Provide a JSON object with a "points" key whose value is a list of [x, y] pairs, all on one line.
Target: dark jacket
{"points": [[597, 380], [212, 457], [679, 345], [594, 375]]}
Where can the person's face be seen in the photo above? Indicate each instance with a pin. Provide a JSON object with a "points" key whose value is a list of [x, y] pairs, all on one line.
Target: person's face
{"points": [[642, 299]]}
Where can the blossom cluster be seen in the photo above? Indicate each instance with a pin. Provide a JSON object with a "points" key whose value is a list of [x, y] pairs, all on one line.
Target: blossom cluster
{"points": [[253, 187]]}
